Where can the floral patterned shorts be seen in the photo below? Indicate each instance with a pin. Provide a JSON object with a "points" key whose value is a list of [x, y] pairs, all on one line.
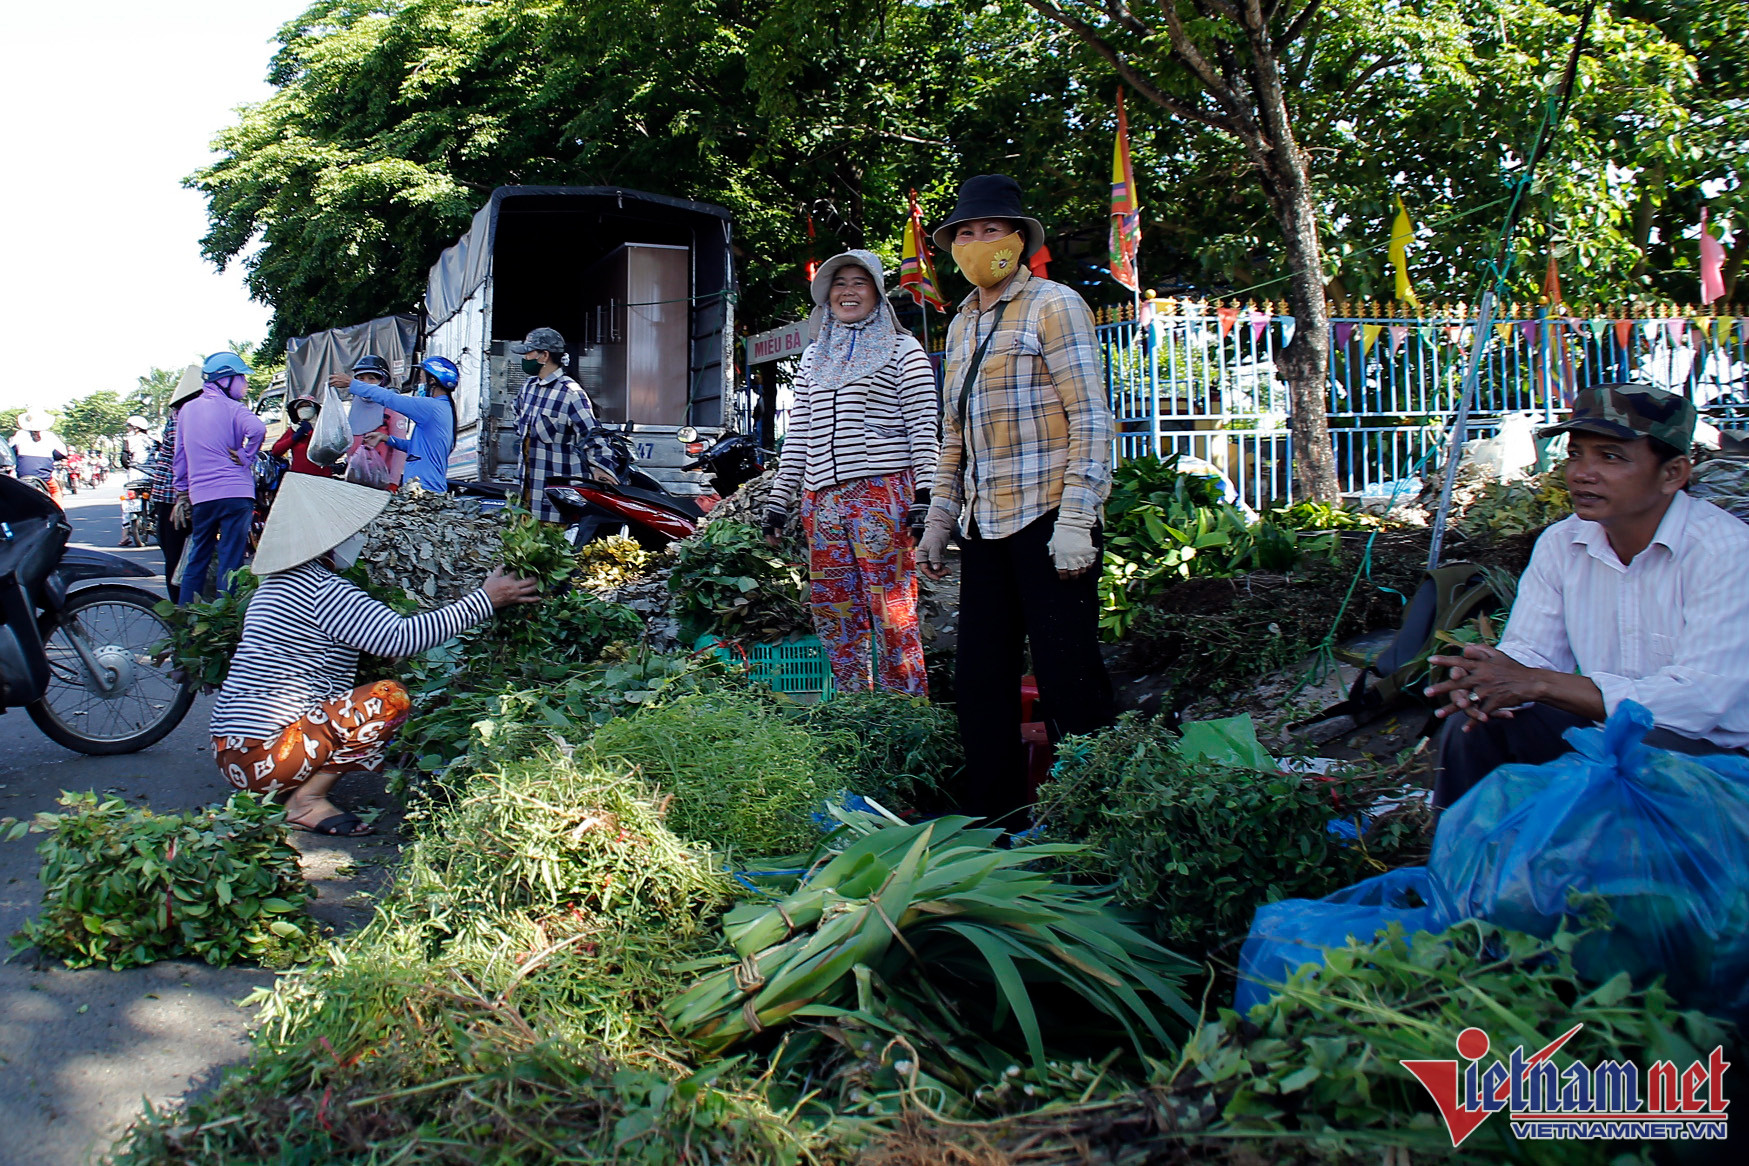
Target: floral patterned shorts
{"points": [[348, 733]]}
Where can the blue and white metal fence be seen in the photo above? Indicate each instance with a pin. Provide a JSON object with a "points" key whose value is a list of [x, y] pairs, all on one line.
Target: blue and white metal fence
{"points": [[1201, 378]]}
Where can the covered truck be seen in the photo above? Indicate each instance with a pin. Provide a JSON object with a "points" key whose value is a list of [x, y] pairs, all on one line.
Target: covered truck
{"points": [[640, 285]]}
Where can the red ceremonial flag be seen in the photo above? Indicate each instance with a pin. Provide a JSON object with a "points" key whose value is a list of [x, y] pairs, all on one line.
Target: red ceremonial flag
{"points": [[1228, 316], [811, 266], [1552, 282], [1624, 334], [916, 268], [1039, 262], [1126, 217], [1712, 264]]}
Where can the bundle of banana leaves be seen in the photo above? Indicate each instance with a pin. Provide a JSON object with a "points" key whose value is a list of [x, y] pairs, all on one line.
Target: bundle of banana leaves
{"points": [[938, 907]]}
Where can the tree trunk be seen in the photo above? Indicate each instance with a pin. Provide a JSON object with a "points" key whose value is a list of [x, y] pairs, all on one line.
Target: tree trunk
{"points": [[1306, 362], [1734, 263]]}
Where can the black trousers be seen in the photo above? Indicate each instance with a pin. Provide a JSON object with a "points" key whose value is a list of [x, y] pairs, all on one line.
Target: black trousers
{"points": [[1531, 737], [170, 540], [1011, 599]]}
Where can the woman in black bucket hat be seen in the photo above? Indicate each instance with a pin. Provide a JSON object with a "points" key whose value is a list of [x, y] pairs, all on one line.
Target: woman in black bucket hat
{"points": [[1024, 470]]}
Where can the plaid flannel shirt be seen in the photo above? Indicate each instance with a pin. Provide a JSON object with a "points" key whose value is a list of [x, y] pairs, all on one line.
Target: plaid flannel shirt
{"points": [[163, 465], [553, 416], [1038, 428]]}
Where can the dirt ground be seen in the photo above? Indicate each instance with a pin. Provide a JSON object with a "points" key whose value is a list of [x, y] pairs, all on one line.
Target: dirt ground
{"points": [[79, 1050]]}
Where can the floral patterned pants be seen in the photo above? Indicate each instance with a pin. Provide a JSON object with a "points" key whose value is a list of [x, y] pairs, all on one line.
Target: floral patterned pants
{"points": [[863, 582], [350, 732]]}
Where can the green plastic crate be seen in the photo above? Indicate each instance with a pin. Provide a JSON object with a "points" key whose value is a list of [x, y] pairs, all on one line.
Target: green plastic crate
{"points": [[796, 668]]}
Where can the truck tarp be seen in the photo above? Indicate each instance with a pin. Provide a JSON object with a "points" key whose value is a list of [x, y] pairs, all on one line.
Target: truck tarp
{"points": [[463, 267], [310, 360]]}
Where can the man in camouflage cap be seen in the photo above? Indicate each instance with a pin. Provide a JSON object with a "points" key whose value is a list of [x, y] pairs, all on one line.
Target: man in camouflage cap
{"points": [[1638, 595]]}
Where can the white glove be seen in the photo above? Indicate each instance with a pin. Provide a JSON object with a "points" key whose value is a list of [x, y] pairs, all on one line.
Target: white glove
{"points": [[1072, 548], [932, 548]]}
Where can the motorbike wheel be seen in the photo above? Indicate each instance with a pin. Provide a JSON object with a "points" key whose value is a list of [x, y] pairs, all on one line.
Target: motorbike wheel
{"points": [[141, 530], [120, 627]]}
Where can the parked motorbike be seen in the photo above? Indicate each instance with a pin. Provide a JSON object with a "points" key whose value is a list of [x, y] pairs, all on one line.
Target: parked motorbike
{"points": [[732, 460], [75, 654], [269, 472], [136, 509], [632, 503]]}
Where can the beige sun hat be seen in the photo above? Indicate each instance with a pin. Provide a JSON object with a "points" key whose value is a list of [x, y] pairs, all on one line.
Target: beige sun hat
{"points": [[31, 421], [188, 387], [822, 286], [311, 516]]}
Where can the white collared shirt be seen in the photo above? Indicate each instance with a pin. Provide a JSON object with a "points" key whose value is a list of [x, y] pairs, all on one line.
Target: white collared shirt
{"points": [[1669, 630]]}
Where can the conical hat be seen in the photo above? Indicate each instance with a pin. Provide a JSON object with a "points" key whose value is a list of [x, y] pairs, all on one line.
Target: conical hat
{"points": [[311, 516], [188, 387]]}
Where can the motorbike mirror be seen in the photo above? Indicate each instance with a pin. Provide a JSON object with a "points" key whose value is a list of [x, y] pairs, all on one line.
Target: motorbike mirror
{"points": [[686, 435]]}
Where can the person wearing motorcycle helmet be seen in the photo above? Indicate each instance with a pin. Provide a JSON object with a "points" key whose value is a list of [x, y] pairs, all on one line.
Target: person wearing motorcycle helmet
{"points": [[296, 440], [136, 446], [554, 420], [36, 449], [217, 438], [432, 413]]}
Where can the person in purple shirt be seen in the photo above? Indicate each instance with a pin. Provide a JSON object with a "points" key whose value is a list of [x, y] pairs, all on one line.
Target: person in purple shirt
{"points": [[217, 438]]}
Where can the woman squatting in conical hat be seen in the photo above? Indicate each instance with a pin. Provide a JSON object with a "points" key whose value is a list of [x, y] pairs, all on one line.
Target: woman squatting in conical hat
{"points": [[288, 717]]}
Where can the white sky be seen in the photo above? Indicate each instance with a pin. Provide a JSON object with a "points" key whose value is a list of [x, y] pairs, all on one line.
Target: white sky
{"points": [[108, 105]]}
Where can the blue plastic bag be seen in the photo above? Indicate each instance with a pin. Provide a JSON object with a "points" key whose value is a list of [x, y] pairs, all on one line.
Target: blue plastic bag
{"points": [[1664, 837], [1292, 932]]}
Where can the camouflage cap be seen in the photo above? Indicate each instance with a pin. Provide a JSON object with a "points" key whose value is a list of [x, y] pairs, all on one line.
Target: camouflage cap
{"points": [[544, 339], [1629, 411]]}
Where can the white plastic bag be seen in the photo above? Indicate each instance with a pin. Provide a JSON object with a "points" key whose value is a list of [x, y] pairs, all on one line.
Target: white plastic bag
{"points": [[331, 436]]}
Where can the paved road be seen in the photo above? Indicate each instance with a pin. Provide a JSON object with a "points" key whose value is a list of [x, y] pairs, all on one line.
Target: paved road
{"points": [[78, 1050]]}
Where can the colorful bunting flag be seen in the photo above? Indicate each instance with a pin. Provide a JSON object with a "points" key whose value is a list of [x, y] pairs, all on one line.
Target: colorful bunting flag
{"points": [[1368, 334], [1126, 217], [1343, 332], [1678, 330], [1259, 321], [1624, 334], [1228, 316], [916, 268], [1402, 234], [1287, 329], [1712, 264], [1399, 333]]}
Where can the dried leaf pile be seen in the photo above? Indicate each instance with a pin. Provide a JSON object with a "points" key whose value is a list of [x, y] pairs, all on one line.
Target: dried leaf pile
{"points": [[435, 546]]}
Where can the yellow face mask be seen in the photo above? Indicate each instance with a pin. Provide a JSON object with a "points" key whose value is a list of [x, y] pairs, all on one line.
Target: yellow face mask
{"points": [[988, 263]]}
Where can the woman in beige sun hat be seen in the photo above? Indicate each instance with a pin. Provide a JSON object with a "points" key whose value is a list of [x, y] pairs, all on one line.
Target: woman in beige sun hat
{"points": [[289, 717]]}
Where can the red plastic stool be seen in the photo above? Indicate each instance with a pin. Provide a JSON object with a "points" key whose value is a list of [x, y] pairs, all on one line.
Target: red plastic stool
{"points": [[1040, 753]]}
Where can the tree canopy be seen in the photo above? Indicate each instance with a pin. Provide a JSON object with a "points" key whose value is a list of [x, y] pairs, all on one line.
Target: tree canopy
{"points": [[393, 119]]}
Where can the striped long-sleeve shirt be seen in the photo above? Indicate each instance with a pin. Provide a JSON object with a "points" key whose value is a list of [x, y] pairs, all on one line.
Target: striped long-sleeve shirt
{"points": [[1038, 428], [302, 635], [880, 425], [1669, 630]]}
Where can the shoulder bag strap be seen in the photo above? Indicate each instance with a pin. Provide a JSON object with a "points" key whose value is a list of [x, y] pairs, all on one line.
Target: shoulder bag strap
{"points": [[977, 362]]}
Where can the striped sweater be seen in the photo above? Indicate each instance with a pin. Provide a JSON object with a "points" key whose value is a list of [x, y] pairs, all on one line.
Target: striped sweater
{"points": [[881, 425], [302, 634]]}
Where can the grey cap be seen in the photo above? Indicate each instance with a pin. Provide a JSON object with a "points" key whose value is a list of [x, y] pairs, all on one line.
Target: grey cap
{"points": [[544, 339]]}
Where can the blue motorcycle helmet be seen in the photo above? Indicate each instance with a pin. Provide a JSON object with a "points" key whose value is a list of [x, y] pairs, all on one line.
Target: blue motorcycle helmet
{"points": [[223, 364], [443, 371]]}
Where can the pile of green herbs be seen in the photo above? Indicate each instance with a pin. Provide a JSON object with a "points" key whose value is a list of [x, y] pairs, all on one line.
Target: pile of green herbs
{"points": [[738, 773], [502, 1003], [607, 564], [898, 749], [124, 887], [1315, 1075], [727, 582], [1520, 506], [1201, 845], [1163, 526]]}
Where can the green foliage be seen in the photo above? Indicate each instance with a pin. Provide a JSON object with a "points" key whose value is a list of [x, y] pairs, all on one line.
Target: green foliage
{"points": [[464, 730], [124, 887], [728, 582], [1322, 1059], [1162, 526], [889, 745], [743, 777], [611, 562], [544, 641], [501, 1004], [85, 419], [1201, 845], [1323, 516], [204, 634], [942, 905], [1521, 506], [536, 550]]}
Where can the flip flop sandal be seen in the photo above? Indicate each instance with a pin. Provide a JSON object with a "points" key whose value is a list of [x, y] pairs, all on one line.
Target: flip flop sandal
{"points": [[343, 825]]}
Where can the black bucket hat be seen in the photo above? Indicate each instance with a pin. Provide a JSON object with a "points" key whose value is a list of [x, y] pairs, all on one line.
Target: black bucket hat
{"points": [[990, 196]]}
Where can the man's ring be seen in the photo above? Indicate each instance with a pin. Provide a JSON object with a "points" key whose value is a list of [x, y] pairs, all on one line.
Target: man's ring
{"points": [[1474, 699]]}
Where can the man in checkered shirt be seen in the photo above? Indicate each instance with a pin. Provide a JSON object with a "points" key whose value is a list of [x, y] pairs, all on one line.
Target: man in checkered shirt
{"points": [[553, 420]]}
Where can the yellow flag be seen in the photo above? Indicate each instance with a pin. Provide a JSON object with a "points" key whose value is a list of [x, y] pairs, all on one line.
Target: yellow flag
{"points": [[1402, 233], [1368, 334]]}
